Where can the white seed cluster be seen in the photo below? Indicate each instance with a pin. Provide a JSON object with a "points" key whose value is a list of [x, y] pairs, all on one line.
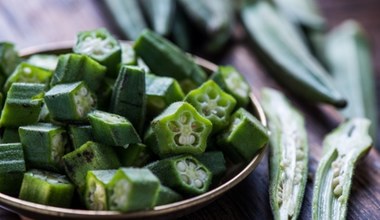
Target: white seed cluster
{"points": [[83, 101], [58, 142], [96, 46], [191, 174], [49, 177], [120, 193], [97, 197], [337, 181], [234, 81], [213, 105]]}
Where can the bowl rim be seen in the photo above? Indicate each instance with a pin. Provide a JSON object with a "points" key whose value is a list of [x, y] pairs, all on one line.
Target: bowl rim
{"points": [[33, 209]]}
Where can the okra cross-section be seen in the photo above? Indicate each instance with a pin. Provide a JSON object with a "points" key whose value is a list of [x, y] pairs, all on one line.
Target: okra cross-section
{"points": [[47, 188], [182, 173], [132, 189], [95, 195], [244, 137], [112, 129], [214, 104], [70, 102], [44, 145], [180, 129]]}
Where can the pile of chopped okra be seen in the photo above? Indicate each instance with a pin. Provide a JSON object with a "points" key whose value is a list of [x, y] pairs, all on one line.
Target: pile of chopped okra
{"points": [[123, 127]]}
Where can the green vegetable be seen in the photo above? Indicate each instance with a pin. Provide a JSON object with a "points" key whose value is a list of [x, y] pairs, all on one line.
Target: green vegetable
{"points": [[80, 134], [288, 155], [128, 55], [9, 59], [215, 162], [342, 149], [104, 94], [135, 155], [10, 135], [181, 32], [95, 195], [167, 196], [160, 15], [45, 61]]}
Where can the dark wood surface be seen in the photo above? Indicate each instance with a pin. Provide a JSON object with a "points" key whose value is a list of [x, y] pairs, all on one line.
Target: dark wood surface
{"points": [[30, 23]]}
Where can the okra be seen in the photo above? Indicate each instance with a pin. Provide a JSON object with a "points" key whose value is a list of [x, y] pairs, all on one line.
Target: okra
{"points": [[44, 114], [28, 73], [282, 50], [112, 129], [22, 105], [12, 168], [165, 59], [184, 174], [47, 188], [45, 61], [161, 92], [212, 103], [90, 156], [44, 145], [135, 155], [128, 55], [342, 149], [10, 135], [132, 189], [233, 82], [70, 102], [9, 59], [167, 196], [244, 137], [288, 155], [101, 46], [95, 195], [80, 134], [180, 129], [75, 67], [181, 31], [128, 96], [349, 58], [215, 163], [160, 15], [104, 93]]}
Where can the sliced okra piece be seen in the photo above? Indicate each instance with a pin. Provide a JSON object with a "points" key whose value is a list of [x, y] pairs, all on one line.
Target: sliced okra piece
{"points": [[80, 134], [184, 174], [95, 194], [128, 55], [70, 102], [214, 104], [104, 93], [161, 92], [233, 82], [342, 149], [101, 46], [44, 145], [12, 168], [76, 67], [112, 129], [128, 96], [44, 114], [9, 59], [90, 156], [215, 162], [28, 73], [167, 196], [132, 189], [47, 188], [244, 137], [180, 129], [288, 155], [10, 135], [135, 155], [22, 105], [45, 61]]}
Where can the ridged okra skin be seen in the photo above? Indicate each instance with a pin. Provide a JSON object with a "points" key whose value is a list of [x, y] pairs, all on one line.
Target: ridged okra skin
{"points": [[212, 103], [244, 137], [180, 129], [160, 15], [184, 174], [95, 194], [10, 135], [28, 73], [44, 145], [12, 168], [44, 61], [70, 102], [22, 105], [167, 196], [215, 163], [164, 58], [101, 46], [80, 134], [104, 94], [9, 59], [233, 82], [112, 129], [76, 67], [135, 155], [132, 189], [90, 156], [47, 188]]}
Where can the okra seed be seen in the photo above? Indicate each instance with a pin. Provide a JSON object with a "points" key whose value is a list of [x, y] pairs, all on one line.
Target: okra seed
{"points": [[186, 140], [299, 155], [185, 179], [198, 183], [181, 166], [335, 182], [202, 174], [120, 193], [174, 126], [336, 171], [191, 164], [338, 190]]}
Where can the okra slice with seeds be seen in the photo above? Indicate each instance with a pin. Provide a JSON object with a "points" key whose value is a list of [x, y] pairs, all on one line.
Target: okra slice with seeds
{"points": [[132, 189], [167, 196], [9, 59], [214, 104], [128, 55], [45, 61], [22, 105], [135, 155], [244, 137], [101, 46], [215, 162], [47, 188], [288, 155], [10, 135], [180, 129], [44, 145], [95, 195], [80, 134], [184, 174], [112, 129], [70, 102], [12, 168], [342, 149]]}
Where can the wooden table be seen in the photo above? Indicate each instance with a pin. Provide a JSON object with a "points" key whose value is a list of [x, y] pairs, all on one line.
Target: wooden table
{"points": [[29, 23]]}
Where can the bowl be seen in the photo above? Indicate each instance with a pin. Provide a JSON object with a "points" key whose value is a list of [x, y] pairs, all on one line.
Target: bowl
{"points": [[234, 175]]}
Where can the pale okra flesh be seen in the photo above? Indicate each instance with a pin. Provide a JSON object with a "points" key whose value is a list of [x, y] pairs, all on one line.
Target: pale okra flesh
{"points": [[288, 155], [342, 148], [95, 195], [45, 61]]}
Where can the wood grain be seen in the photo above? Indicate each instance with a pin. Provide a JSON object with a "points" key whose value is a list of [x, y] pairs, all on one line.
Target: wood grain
{"points": [[29, 23]]}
